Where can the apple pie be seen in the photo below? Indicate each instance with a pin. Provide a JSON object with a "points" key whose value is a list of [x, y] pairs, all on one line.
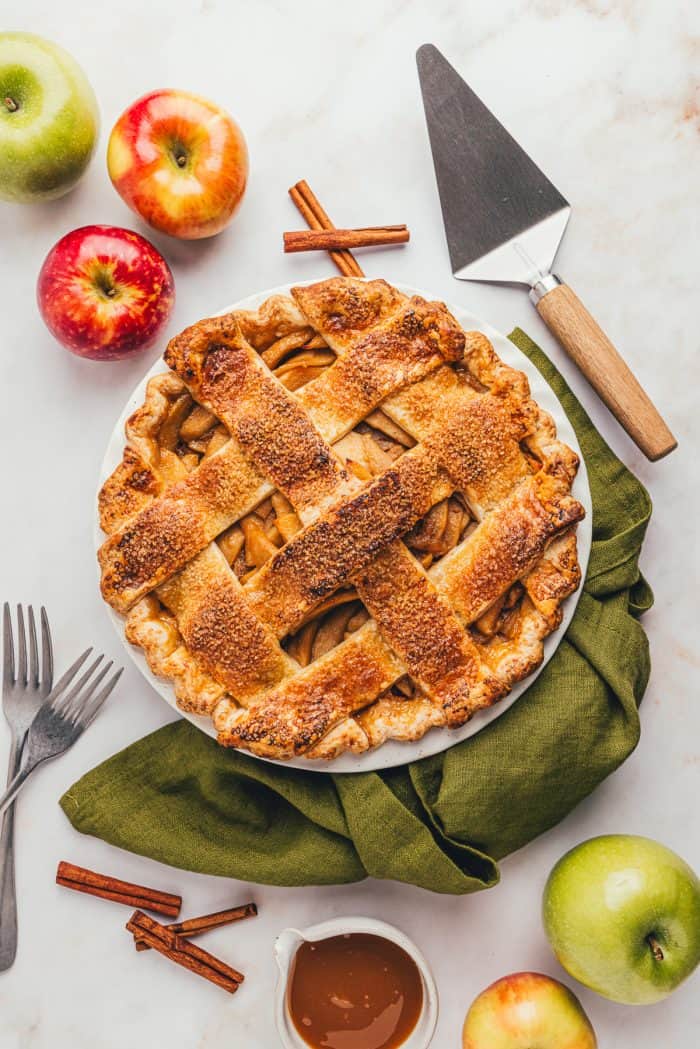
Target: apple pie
{"points": [[339, 519]]}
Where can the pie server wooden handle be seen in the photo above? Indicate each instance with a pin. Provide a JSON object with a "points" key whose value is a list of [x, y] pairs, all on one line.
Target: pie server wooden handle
{"points": [[588, 345]]}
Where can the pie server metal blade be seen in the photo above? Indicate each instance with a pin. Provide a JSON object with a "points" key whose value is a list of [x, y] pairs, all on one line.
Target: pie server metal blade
{"points": [[503, 217], [504, 221]]}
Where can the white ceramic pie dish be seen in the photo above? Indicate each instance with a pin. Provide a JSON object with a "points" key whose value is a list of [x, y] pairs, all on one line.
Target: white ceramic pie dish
{"points": [[393, 752]]}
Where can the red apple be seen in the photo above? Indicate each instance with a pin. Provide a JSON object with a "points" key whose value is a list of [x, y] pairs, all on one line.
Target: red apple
{"points": [[105, 292], [525, 1010], [180, 162]]}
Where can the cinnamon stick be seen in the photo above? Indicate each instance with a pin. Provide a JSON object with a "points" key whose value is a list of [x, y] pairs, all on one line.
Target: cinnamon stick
{"points": [[184, 953], [196, 926], [327, 239], [312, 211], [82, 880]]}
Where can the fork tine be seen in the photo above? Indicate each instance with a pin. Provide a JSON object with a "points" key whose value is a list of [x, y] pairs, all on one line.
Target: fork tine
{"points": [[92, 709], [22, 645], [84, 689], [65, 681], [33, 650], [8, 648], [65, 703], [79, 704], [46, 650]]}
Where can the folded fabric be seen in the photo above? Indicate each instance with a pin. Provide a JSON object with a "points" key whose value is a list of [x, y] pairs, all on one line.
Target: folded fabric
{"points": [[441, 823]]}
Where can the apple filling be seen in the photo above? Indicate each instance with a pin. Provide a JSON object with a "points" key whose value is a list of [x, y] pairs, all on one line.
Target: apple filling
{"points": [[191, 433]]}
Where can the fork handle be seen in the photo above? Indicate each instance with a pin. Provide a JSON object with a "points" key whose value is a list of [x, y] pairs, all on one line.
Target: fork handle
{"points": [[8, 899], [16, 784]]}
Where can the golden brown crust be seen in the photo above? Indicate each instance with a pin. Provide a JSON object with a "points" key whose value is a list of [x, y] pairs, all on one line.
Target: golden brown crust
{"points": [[393, 717], [344, 308], [153, 629], [226, 375], [150, 546], [129, 489], [278, 317], [404, 347], [328, 552], [505, 546], [220, 627], [464, 631], [170, 530], [139, 477], [556, 575], [421, 627], [287, 721]]}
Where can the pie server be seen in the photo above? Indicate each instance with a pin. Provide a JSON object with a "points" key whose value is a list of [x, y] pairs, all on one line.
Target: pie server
{"points": [[504, 220]]}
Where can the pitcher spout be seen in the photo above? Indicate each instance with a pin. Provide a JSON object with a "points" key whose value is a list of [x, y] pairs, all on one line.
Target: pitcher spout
{"points": [[286, 946]]}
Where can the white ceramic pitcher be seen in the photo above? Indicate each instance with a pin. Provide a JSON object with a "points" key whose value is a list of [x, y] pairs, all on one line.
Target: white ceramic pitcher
{"points": [[287, 944]]}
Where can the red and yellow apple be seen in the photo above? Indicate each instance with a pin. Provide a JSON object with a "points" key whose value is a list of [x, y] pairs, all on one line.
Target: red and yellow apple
{"points": [[105, 292], [180, 162], [525, 1010]]}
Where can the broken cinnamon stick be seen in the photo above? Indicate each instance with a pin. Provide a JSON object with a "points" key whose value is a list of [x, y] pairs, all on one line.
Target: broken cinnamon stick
{"points": [[82, 880], [184, 953], [196, 926], [329, 239], [312, 211]]}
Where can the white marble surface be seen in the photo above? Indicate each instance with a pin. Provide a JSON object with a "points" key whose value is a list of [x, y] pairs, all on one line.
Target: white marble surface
{"points": [[604, 96]]}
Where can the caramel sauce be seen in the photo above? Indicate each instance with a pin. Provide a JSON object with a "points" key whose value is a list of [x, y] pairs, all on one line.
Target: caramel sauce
{"points": [[355, 991]]}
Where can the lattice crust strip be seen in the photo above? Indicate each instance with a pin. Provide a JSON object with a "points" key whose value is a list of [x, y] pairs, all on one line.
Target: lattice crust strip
{"points": [[350, 431]]}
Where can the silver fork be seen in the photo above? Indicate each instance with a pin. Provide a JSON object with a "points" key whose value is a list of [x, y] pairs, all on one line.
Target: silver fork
{"points": [[62, 718], [25, 686]]}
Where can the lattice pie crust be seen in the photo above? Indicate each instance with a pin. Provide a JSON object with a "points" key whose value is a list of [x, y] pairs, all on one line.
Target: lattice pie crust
{"points": [[339, 519]]}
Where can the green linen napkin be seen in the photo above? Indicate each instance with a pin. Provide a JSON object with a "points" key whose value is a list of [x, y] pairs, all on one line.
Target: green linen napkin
{"points": [[441, 823]]}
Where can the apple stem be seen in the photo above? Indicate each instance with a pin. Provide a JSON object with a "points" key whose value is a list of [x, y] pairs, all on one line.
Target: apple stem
{"points": [[10, 104], [181, 160], [655, 947]]}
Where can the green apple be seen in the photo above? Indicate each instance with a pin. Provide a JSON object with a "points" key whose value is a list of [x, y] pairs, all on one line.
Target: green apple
{"points": [[527, 1011], [622, 914], [48, 119]]}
